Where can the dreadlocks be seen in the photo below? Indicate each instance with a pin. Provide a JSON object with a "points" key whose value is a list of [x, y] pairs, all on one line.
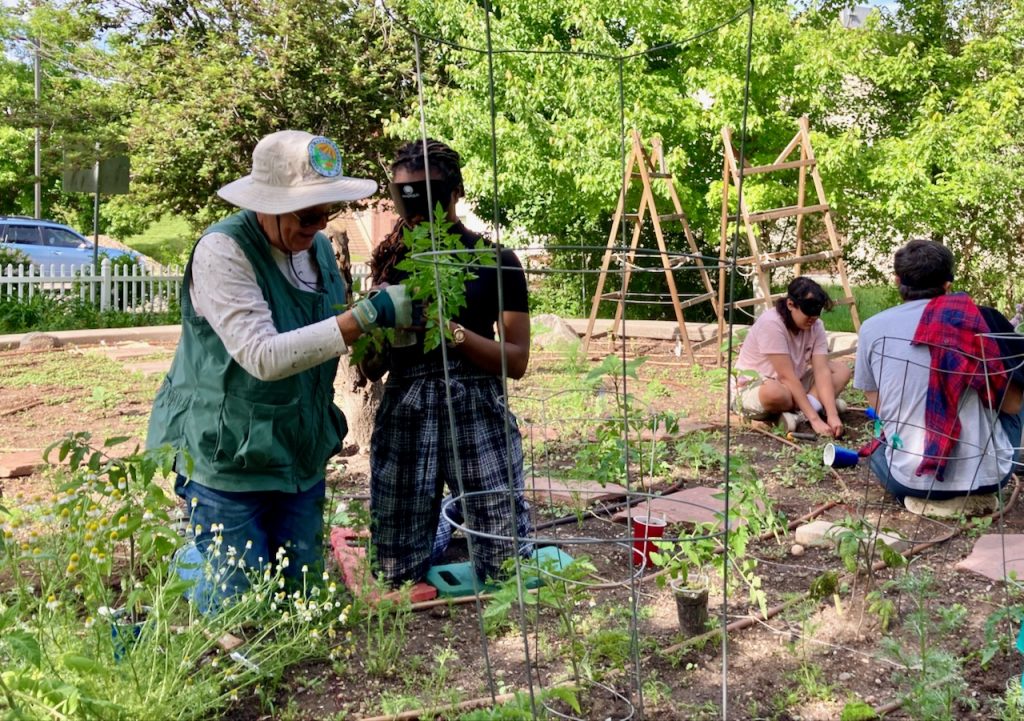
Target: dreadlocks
{"points": [[444, 163]]}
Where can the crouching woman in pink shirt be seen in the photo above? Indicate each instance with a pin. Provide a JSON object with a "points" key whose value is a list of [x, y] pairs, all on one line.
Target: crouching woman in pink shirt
{"points": [[783, 367]]}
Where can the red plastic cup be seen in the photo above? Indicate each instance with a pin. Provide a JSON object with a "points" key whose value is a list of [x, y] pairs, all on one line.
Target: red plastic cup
{"points": [[646, 528]]}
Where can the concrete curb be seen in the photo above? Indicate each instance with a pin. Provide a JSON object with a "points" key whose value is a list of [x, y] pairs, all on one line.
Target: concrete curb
{"points": [[654, 329], [161, 333]]}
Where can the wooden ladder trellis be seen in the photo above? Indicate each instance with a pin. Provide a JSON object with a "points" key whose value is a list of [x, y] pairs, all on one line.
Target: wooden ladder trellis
{"points": [[640, 167], [764, 263]]}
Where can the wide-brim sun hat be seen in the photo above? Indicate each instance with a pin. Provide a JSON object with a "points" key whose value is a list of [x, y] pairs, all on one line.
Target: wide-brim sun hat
{"points": [[292, 170]]}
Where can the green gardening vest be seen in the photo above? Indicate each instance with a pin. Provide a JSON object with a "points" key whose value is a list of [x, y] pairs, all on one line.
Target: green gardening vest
{"points": [[244, 434]]}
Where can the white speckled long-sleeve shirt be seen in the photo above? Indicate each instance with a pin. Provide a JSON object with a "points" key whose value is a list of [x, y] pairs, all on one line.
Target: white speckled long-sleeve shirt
{"points": [[224, 291]]}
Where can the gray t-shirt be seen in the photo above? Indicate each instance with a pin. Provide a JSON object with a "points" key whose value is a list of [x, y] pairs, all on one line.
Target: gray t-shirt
{"points": [[889, 364]]}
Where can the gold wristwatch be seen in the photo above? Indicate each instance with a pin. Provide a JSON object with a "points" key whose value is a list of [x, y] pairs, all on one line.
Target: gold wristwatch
{"points": [[458, 335]]}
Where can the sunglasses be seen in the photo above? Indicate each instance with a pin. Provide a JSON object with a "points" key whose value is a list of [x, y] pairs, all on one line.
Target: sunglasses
{"points": [[310, 219], [811, 307]]}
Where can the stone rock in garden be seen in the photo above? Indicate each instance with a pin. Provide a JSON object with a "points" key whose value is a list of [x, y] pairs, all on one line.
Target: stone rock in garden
{"points": [[817, 533], [22, 463], [996, 556], [978, 504], [571, 492], [689, 506], [38, 341], [550, 331]]}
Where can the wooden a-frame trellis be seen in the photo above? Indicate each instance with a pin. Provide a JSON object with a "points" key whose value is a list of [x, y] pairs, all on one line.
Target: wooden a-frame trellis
{"points": [[762, 263], [640, 167]]}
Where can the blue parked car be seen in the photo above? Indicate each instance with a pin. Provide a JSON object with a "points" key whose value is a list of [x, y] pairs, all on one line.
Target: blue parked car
{"points": [[46, 242]]}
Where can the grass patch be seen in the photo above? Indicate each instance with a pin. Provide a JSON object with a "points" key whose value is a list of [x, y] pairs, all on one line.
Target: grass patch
{"points": [[87, 371], [167, 241], [871, 299]]}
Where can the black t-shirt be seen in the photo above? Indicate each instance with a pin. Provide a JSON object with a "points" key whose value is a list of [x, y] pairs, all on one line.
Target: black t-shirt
{"points": [[481, 311], [1011, 345]]}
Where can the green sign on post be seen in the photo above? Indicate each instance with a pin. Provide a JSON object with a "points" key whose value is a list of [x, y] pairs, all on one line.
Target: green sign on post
{"points": [[85, 174], [113, 175]]}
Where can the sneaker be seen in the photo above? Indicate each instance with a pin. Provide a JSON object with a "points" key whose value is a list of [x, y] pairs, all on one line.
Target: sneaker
{"points": [[841, 405], [790, 421]]}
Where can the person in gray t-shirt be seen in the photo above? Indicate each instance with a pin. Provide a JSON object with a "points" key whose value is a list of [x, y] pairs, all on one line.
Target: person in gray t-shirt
{"points": [[894, 374]]}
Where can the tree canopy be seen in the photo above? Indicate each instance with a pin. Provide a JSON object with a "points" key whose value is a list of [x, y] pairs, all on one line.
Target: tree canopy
{"points": [[917, 115]]}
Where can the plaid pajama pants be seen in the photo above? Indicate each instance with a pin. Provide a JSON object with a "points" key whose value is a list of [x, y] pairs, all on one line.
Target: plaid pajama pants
{"points": [[413, 457]]}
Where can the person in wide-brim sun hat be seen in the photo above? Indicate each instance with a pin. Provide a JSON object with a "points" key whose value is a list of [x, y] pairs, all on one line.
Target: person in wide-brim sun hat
{"points": [[292, 170], [249, 399]]}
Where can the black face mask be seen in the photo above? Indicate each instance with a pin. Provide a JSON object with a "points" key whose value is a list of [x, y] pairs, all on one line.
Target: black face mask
{"points": [[411, 198], [810, 307]]}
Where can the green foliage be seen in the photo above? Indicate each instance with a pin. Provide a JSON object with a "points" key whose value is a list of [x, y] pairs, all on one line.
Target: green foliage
{"points": [[520, 707], [559, 591], [385, 635], [751, 514], [871, 299], [565, 295], [75, 107], [619, 446], [999, 631], [47, 312], [882, 607], [190, 88], [436, 283], [931, 679], [916, 116], [168, 241], [857, 711], [824, 585], [12, 256], [439, 281], [701, 452], [801, 467], [858, 545], [1011, 706], [93, 623]]}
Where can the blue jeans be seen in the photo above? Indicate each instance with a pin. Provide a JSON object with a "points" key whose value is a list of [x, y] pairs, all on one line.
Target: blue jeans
{"points": [[880, 467], [255, 525]]}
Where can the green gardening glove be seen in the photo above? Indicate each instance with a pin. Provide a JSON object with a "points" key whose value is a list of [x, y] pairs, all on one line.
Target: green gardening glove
{"points": [[388, 307]]}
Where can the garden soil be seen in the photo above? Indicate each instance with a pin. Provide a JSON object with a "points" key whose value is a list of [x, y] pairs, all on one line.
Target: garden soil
{"points": [[806, 662]]}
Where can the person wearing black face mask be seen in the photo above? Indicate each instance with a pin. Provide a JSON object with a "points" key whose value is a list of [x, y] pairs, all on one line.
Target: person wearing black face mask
{"points": [[413, 452], [784, 366]]}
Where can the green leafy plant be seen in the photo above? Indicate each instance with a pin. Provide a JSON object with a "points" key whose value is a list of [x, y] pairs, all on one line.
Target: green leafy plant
{"points": [[931, 678], [384, 626], [751, 513], [619, 444], [559, 590], [93, 622], [802, 467], [858, 543], [44, 311], [881, 606], [12, 256], [1011, 706], [857, 710], [440, 284], [437, 283], [700, 451]]}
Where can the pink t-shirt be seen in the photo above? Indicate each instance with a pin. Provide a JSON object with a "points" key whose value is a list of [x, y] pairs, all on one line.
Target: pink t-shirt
{"points": [[769, 336]]}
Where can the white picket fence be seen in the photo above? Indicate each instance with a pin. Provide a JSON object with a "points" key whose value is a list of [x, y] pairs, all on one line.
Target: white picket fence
{"points": [[130, 288]]}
